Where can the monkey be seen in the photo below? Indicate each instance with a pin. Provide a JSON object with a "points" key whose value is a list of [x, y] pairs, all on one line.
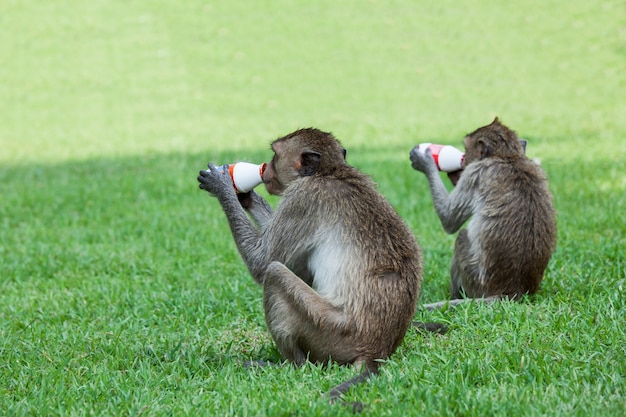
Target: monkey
{"points": [[505, 249], [340, 271]]}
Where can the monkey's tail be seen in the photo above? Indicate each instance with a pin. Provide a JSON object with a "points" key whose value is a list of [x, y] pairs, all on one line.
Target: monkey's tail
{"points": [[433, 327], [338, 391]]}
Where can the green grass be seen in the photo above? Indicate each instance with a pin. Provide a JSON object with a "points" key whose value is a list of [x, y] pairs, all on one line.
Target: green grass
{"points": [[121, 292]]}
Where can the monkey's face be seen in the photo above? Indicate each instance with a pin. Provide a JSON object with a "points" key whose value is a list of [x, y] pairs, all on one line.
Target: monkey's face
{"points": [[281, 170], [472, 150], [270, 179]]}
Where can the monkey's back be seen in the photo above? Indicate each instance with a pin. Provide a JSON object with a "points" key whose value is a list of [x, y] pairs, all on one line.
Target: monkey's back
{"points": [[378, 283], [514, 224]]}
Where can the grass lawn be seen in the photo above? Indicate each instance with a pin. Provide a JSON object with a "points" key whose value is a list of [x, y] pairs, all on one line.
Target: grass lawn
{"points": [[121, 291]]}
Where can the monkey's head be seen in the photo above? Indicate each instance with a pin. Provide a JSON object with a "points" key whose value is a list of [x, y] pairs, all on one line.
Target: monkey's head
{"points": [[303, 153], [493, 140]]}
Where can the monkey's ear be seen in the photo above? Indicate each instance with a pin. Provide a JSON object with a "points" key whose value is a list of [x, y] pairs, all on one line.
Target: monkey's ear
{"points": [[524, 142], [309, 163], [485, 151], [344, 153]]}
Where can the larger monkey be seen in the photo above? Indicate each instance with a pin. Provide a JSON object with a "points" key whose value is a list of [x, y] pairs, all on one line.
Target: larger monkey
{"points": [[508, 242], [340, 271]]}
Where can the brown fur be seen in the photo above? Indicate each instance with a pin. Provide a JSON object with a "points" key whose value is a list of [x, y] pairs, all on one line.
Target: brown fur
{"points": [[340, 270], [508, 242]]}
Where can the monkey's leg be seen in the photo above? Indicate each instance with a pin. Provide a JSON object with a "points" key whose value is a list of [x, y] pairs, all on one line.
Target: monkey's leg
{"points": [[463, 276], [283, 324], [459, 271], [295, 313]]}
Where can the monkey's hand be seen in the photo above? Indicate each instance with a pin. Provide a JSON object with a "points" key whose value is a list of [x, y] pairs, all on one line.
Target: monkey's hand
{"points": [[245, 199], [423, 162], [216, 182], [455, 176]]}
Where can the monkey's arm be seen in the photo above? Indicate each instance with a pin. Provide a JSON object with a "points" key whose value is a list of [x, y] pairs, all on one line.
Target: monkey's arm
{"points": [[453, 209], [247, 236], [259, 209]]}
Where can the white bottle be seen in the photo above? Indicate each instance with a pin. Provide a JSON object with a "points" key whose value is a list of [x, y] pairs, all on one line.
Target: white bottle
{"points": [[448, 158], [245, 176]]}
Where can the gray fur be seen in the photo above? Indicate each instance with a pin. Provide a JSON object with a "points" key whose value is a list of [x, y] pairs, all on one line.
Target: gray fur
{"points": [[511, 236], [340, 271]]}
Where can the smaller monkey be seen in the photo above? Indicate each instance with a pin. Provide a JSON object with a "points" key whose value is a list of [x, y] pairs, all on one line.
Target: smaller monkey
{"points": [[505, 249]]}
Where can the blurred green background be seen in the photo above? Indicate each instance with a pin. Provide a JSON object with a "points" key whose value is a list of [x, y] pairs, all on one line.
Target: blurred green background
{"points": [[90, 78]]}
